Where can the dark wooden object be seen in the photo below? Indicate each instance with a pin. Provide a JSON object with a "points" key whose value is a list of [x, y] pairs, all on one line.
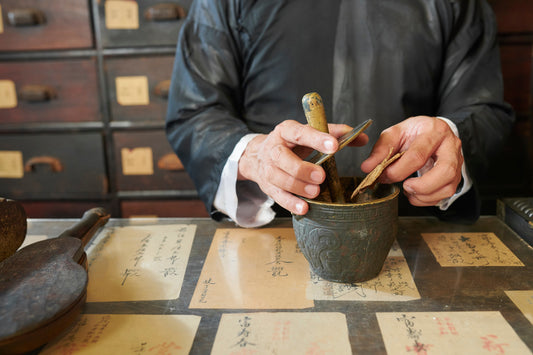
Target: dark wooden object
{"points": [[43, 286], [159, 24], [167, 174], [316, 117], [157, 70], [163, 208], [13, 227], [38, 25], [57, 166], [52, 91]]}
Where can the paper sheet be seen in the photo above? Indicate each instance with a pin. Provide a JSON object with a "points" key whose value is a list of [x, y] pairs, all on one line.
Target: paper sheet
{"points": [[449, 333], [282, 333], [138, 263], [113, 334], [394, 283], [32, 238], [524, 301], [8, 92], [253, 269], [470, 249], [11, 163]]}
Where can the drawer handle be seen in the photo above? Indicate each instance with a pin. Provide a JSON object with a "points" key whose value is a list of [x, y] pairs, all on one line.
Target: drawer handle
{"points": [[170, 162], [54, 163], [162, 89], [37, 93], [26, 17], [164, 12]]}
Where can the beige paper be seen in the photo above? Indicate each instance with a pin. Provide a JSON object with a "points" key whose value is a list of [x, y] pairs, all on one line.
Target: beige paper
{"points": [[8, 94], [132, 90], [1, 21], [282, 333], [114, 334], [253, 269], [470, 249], [32, 238], [523, 299], [449, 333], [137, 161], [394, 283], [11, 164], [121, 15], [139, 263]]}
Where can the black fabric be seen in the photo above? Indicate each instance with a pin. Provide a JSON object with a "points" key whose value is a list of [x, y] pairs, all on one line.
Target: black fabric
{"points": [[242, 66]]}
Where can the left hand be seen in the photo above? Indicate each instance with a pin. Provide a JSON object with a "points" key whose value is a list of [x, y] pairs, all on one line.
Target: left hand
{"points": [[430, 146]]}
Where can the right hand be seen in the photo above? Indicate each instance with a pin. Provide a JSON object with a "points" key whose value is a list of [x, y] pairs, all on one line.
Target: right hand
{"points": [[274, 162]]}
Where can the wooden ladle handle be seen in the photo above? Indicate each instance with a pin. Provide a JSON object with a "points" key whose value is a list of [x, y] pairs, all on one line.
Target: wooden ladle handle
{"points": [[316, 117]]}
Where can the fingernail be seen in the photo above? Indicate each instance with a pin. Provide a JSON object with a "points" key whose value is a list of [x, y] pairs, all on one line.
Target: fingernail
{"points": [[328, 144], [299, 207], [316, 176], [409, 190], [310, 189]]}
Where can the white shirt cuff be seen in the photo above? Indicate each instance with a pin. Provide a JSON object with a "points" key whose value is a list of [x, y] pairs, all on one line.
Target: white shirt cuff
{"points": [[444, 204], [242, 201]]}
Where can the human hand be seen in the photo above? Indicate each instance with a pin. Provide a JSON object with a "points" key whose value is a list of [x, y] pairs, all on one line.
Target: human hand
{"points": [[274, 162], [431, 147]]}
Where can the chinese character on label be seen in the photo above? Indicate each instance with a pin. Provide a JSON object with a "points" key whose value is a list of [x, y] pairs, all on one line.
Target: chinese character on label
{"points": [[121, 15]]}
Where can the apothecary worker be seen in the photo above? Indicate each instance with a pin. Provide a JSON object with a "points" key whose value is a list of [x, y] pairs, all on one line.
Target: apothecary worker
{"points": [[426, 71]]}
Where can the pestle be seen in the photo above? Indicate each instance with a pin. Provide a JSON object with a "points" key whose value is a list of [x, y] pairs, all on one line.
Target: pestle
{"points": [[316, 117]]}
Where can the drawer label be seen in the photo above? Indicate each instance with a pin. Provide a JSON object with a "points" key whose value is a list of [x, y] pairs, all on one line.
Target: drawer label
{"points": [[137, 161], [121, 15], [8, 94], [132, 90], [11, 164], [1, 21]]}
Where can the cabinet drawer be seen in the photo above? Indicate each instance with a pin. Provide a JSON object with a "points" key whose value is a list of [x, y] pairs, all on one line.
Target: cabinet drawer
{"points": [[138, 87], [145, 161], [51, 166], [516, 59], [141, 22], [513, 16], [49, 91], [61, 209], [163, 208], [43, 25]]}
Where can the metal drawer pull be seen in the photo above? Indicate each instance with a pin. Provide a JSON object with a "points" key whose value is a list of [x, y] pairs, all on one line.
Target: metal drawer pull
{"points": [[162, 89], [164, 12], [53, 162], [26, 17], [37, 93], [170, 162]]}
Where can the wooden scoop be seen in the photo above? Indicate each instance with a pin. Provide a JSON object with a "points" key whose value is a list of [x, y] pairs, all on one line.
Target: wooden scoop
{"points": [[13, 227], [316, 117], [43, 286]]}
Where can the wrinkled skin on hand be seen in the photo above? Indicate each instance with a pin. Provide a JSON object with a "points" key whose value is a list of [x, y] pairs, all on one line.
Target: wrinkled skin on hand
{"points": [[429, 145], [274, 162]]}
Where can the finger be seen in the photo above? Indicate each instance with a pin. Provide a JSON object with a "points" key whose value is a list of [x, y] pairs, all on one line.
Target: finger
{"points": [[297, 134], [281, 180], [413, 159], [287, 200], [290, 163], [445, 174], [388, 138], [338, 130], [430, 199]]}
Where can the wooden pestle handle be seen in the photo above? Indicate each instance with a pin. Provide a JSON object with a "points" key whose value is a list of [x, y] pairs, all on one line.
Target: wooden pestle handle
{"points": [[316, 117], [90, 222]]}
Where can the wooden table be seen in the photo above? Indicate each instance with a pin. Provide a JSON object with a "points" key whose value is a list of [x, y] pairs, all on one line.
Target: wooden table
{"points": [[441, 289]]}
